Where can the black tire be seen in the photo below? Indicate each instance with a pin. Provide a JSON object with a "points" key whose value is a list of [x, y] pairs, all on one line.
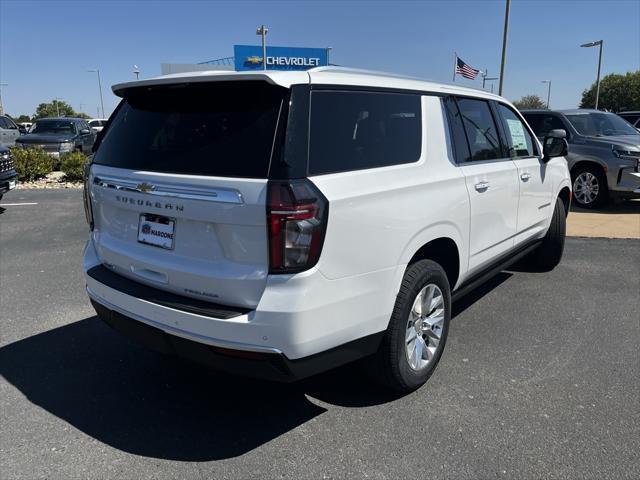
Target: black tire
{"points": [[600, 180], [390, 365], [548, 255]]}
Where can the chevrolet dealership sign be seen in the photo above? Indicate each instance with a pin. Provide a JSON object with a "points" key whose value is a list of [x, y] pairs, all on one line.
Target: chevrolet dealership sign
{"points": [[249, 57]]}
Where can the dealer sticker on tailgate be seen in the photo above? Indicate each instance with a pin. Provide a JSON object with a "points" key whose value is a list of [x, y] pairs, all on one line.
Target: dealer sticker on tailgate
{"points": [[156, 230]]}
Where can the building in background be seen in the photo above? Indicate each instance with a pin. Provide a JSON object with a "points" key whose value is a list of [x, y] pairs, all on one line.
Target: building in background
{"points": [[249, 57]]}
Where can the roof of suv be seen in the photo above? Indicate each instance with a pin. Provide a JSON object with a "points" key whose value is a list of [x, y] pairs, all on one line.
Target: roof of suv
{"points": [[74, 119], [319, 75]]}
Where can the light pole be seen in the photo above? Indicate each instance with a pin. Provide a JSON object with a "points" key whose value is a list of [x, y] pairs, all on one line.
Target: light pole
{"points": [[57, 102], [504, 45], [97, 70], [2, 85], [485, 78], [548, 91], [598, 43], [136, 71], [262, 31]]}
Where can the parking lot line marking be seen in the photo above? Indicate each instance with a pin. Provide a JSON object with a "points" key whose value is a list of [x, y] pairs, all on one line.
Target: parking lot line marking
{"points": [[17, 204]]}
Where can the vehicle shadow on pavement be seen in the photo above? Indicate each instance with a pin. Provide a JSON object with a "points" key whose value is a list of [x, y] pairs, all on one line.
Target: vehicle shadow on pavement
{"points": [[146, 403], [158, 406], [618, 208]]}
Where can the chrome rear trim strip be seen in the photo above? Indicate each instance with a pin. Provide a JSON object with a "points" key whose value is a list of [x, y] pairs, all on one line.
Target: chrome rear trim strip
{"points": [[221, 195]]}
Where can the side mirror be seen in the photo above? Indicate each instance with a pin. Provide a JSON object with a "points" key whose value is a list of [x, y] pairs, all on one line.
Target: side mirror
{"points": [[554, 145], [85, 131]]}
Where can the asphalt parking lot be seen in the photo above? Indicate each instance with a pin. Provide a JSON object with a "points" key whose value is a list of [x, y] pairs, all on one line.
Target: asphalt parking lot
{"points": [[539, 380]]}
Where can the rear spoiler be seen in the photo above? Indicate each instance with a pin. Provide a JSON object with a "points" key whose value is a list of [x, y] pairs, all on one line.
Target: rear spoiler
{"points": [[280, 78]]}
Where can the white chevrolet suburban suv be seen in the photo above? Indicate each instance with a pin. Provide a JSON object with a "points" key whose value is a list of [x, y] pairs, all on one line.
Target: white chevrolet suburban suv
{"points": [[278, 224]]}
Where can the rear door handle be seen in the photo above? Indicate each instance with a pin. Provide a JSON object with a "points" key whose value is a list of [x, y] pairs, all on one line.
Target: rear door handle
{"points": [[482, 186], [525, 176]]}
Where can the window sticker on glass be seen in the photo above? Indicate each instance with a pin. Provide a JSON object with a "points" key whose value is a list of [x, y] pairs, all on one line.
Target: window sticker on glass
{"points": [[516, 130]]}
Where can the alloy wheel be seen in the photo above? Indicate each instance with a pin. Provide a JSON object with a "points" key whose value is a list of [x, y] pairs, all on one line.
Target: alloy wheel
{"points": [[586, 188], [424, 326]]}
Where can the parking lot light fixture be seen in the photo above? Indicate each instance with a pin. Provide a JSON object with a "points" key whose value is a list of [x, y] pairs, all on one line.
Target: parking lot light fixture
{"points": [[262, 31], [548, 91], [505, 35], [598, 43], [136, 71], [2, 85], [97, 70]]}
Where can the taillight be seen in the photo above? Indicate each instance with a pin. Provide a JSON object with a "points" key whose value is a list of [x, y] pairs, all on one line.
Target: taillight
{"points": [[297, 220], [86, 195]]}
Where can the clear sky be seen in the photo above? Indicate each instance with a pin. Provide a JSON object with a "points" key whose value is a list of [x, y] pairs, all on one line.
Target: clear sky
{"points": [[47, 46]]}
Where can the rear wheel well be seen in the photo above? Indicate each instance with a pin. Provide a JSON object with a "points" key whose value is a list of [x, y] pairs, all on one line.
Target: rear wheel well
{"points": [[443, 251], [565, 196]]}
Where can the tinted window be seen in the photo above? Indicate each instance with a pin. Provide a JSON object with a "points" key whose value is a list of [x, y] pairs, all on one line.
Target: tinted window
{"points": [[10, 123], [459, 137], [481, 129], [519, 141], [359, 130], [218, 129], [54, 127], [543, 124], [600, 124], [3, 123]]}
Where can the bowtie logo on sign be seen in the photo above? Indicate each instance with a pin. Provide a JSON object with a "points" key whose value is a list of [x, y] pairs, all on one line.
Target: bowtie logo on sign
{"points": [[250, 57]]}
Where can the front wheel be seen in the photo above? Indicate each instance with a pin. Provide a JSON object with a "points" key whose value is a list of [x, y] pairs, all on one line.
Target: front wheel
{"points": [[590, 187], [548, 255], [417, 332]]}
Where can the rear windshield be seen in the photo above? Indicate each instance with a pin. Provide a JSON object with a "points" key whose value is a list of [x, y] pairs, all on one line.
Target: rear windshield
{"points": [[216, 129]]}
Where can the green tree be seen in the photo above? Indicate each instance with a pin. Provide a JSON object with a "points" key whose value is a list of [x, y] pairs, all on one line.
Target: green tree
{"points": [[617, 93], [530, 102], [22, 118], [54, 108]]}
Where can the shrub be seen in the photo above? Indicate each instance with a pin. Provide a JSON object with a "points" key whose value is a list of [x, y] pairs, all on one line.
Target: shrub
{"points": [[31, 163], [72, 164]]}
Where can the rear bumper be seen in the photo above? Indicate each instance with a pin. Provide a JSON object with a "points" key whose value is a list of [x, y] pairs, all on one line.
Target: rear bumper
{"points": [[304, 324], [269, 365]]}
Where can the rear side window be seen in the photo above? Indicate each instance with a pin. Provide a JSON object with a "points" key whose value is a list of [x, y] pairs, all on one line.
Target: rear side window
{"points": [[481, 129], [216, 129], [360, 130], [519, 141]]}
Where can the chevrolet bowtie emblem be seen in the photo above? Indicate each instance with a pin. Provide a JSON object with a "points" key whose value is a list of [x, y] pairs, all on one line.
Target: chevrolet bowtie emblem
{"points": [[145, 187]]}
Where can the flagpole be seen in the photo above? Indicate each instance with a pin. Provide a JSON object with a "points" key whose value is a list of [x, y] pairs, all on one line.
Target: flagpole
{"points": [[455, 61]]}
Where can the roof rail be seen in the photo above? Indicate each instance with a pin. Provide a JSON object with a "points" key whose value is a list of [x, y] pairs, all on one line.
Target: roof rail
{"points": [[337, 69]]}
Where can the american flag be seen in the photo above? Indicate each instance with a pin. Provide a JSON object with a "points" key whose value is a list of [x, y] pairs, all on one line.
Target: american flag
{"points": [[465, 70]]}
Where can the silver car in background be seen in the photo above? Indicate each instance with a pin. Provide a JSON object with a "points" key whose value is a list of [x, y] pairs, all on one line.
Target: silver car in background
{"points": [[604, 153]]}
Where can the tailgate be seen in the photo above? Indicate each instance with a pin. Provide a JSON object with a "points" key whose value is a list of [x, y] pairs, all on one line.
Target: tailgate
{"points": [[178, 187]]}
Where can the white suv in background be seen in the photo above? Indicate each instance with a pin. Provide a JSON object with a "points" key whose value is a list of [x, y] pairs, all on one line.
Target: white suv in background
{"points": [[97, 124], [279, 224]]}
